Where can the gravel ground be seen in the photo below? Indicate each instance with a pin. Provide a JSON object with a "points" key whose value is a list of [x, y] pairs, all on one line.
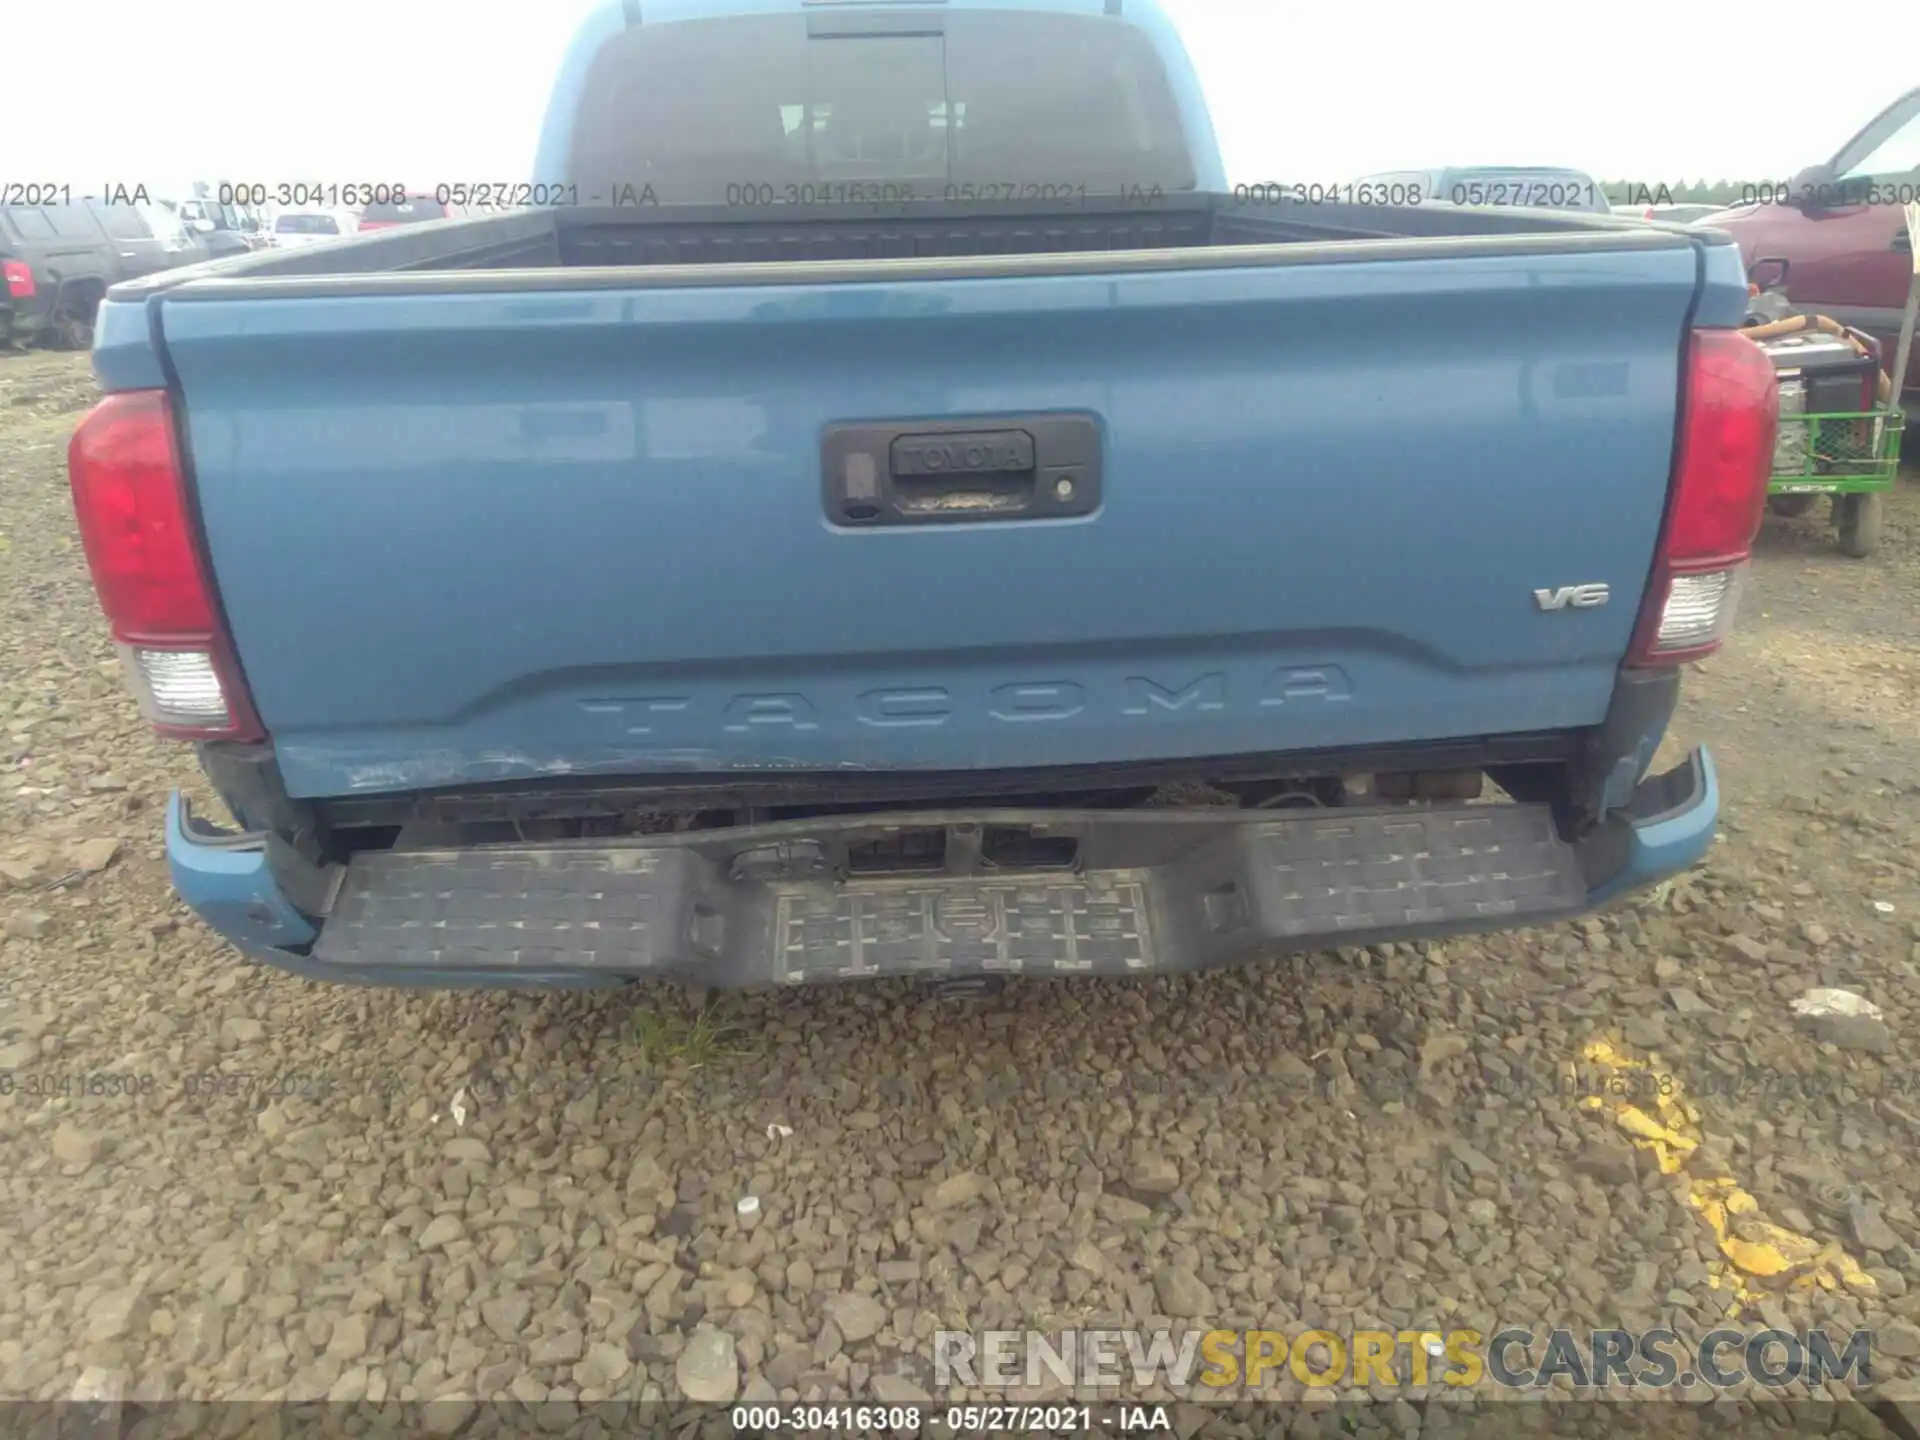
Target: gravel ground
{"points": [[471, 1198]]}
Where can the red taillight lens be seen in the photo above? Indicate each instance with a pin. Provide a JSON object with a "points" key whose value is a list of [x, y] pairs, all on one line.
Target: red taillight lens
{"points": [[1728, 417], [19, 279], [129, 495]]}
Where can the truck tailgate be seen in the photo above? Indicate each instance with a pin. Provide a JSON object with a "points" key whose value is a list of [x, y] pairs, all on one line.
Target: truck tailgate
{"points": [[472, 535]]}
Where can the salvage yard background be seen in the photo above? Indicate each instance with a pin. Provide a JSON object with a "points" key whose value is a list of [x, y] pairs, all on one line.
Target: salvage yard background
{"points": [[485, 1195]]}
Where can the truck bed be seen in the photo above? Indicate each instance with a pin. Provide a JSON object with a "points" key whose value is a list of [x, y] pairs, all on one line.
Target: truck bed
{"points": [[1009, 237], [1044, 585]]}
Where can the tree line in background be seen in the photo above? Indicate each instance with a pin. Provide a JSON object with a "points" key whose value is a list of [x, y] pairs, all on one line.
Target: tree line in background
{"points": [[1678, 192]]}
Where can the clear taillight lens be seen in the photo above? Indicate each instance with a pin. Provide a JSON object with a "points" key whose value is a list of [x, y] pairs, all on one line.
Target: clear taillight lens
{"points": [[1699, 611], [177, 687]]}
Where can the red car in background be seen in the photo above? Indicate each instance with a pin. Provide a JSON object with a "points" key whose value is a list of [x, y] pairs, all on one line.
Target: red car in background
{"points": [[410, 211], [1836, 241]]}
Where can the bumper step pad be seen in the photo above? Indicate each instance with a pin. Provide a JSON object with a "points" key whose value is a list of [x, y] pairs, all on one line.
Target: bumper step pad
{"points": [[1155, 892]]}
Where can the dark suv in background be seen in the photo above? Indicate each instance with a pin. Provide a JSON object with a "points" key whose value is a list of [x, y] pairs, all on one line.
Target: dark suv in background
{"points": [[58, 260]]}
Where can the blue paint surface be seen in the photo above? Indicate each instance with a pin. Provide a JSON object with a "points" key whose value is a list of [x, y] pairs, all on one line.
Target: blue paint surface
{"points": [[468, 537], [123, 353]]}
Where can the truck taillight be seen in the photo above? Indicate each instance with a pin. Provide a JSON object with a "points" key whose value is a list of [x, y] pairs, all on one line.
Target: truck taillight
{"points": [[1729, 412], [19, 276], [130, 497]]}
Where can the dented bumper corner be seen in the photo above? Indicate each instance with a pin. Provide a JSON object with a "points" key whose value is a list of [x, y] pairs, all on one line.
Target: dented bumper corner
{"points": [[228, 881], [1666, 828]]}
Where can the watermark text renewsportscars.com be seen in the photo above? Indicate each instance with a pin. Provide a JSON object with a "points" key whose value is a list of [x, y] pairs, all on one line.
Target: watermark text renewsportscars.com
{"points": [[1513, 1358]]}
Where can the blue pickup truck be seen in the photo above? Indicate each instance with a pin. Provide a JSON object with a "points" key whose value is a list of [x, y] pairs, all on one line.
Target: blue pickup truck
{"points": [[885, 505]]}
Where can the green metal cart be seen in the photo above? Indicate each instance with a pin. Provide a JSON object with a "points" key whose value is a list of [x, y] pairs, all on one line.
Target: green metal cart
{"points": [[1852, 457]]}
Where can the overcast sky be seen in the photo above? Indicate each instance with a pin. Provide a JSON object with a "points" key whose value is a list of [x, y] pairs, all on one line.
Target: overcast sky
{"points": [[419, 91]]}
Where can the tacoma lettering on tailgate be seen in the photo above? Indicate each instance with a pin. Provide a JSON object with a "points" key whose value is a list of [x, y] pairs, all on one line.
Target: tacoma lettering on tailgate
{"points": [[1025, 702]]}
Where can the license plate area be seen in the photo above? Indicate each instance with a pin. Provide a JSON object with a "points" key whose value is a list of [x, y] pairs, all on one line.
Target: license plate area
{"points": [[1030, 926]]}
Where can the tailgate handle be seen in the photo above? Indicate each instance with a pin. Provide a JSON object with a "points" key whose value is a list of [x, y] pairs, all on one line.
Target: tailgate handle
{"points": [[977, 470], [1029, 467]]}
